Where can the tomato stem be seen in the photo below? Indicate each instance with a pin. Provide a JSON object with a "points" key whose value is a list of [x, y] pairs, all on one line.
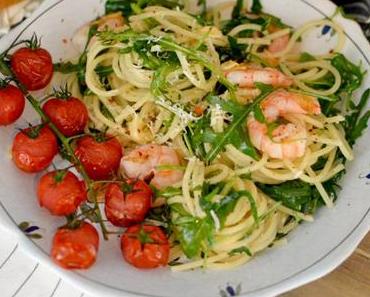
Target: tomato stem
{"points": [[34, 42], [62, 93], [4, 68]]}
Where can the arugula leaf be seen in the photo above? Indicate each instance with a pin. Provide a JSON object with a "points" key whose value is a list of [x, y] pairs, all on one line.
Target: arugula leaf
{"points": [[142, 48], [237, 9], [168, 192], [103, 71], [241, 250], [106, 113], [118, 5], [197, 134], [293, 194], [239, 136], [352, 75], [130, 7], [253, 204], [361, 126], [193, 233], [258, 114], [256, 6], [222, 139], [159, 82], [177, 207], [355, 124], [168, 45], [226, 206], [306, 57], [229, 106]]}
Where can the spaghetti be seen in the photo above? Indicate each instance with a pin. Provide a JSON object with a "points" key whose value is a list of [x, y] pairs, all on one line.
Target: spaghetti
{"points": [[165, 83]]}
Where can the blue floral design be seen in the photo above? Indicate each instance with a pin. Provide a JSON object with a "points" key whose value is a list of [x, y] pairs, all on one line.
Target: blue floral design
{"points": [[231, 290], [29, 230], [365, 176], [325, 30]]}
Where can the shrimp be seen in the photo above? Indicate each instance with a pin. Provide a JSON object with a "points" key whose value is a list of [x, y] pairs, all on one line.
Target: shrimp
{"points": [[246, 77], [282, 102], [111, 21], [280, 43], [287, 141], [144, 162]]}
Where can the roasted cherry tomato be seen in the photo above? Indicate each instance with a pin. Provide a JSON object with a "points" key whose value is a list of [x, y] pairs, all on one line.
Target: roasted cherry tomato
{"points": [[127, 204], [145, 246], [11, 104], [100, 157], [61, 192], [34, 148], [33, 67], [68, 114], [75, 248]]}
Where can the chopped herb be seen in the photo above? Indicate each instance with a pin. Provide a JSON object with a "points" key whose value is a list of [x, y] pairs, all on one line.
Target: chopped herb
{"points": [[241, 250], [256, 6]]}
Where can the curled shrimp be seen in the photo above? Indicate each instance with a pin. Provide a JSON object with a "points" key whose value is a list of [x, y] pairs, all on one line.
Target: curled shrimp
{"points": [[286, 141], [246, 77], [111, 21], [146, 161], [281, 103]]}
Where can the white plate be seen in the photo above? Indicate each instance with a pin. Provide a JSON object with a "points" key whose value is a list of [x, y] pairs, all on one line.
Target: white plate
{"points": [[314, 249]]}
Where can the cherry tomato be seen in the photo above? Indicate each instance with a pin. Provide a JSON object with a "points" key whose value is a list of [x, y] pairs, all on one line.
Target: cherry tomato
{"points": [[75, 248], [101, 158], [34, 148], [127, 204], [145, 246], [61, 192], [69, 115], [11, 104], [33, 67]]}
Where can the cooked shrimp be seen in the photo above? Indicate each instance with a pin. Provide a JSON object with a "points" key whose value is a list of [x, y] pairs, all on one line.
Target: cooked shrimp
{"points": [[144, 162], [110, 21], [287, 141], [246, 77], [280, 43], [282, 102]]}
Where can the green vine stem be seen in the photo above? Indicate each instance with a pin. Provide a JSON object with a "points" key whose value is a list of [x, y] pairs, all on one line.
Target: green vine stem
{"points": [[5, 70]]}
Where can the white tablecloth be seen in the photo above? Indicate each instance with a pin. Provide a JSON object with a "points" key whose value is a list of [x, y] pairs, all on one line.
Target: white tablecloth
{"points": [[21, 276]]}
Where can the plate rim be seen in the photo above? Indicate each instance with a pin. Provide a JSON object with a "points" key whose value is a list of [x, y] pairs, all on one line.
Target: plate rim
{"points": [[308, 274]]}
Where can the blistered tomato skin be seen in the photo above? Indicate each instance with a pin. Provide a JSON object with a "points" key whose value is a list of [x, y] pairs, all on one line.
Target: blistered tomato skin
{"points": [[101, 159], [34, 154], [69, 115], [75, 248], [12, 104], [145, 246], [125, 208], [61, 192], [32, 67]]}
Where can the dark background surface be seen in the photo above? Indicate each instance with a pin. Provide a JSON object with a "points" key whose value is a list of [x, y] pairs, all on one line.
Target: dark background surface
{"points": [[360, 11]]}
